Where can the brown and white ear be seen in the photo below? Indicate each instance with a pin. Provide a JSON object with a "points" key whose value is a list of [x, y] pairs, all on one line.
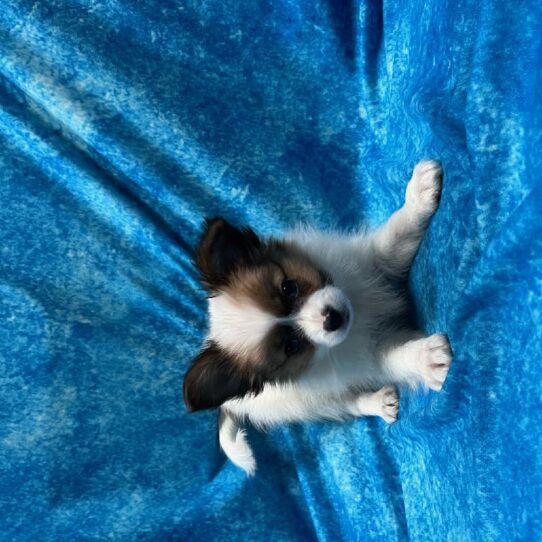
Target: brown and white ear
{"points": [[223, 248], [213, 379]]}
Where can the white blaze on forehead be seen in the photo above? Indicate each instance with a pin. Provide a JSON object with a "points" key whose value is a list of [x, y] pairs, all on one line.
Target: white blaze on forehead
{"points": [[237, 324]]}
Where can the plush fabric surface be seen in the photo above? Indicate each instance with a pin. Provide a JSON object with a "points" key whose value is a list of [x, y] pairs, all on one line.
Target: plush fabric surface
{"points": [[123, 124]]}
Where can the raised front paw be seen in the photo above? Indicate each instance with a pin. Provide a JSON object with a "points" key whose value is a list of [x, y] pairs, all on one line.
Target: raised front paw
{"points": [[388, 399], [423, 190], [383, 403], [435, 357]]}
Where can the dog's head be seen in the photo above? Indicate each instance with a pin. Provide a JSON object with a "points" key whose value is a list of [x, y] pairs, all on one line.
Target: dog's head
{"points": [[271, 312]]}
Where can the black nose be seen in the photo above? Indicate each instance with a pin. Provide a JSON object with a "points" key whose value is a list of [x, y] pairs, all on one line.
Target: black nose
{"points": [[333, 319]]}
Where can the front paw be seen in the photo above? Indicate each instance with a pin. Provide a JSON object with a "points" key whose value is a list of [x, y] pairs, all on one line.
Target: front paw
{"points": [[423, 190], [388, 400], [435, 357], [383, 403]]}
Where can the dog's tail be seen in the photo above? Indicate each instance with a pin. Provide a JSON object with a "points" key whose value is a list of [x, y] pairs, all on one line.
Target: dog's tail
{"points": [[233, 441]]}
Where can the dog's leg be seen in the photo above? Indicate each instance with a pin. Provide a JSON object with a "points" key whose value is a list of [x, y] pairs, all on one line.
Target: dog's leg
{"points": [[417, 359], [383, 403], [284, 403], [396, 242]]}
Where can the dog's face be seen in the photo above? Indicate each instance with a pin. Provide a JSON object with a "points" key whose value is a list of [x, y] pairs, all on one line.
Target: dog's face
{"points": [[271, 310]]}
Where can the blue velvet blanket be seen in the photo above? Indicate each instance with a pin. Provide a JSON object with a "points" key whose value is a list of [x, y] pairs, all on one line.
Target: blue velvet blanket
{"points": [[124, 123]]}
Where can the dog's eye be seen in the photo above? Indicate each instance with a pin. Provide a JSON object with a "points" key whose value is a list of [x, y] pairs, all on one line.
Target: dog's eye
{"points": [[293, 346], [289, 288]]}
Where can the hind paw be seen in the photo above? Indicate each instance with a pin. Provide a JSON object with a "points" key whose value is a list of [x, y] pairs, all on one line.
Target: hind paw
{"points": [[434, 361], [423, 190]]}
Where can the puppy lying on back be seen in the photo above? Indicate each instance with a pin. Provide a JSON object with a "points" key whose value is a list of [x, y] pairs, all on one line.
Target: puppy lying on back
{"points": [[312, 326]]}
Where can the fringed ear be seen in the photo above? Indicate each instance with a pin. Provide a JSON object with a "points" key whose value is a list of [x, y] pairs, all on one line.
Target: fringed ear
{"points": [[214, 378], [222, 249]]}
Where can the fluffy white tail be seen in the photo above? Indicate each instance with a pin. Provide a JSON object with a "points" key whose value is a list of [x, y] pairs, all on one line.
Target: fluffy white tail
{"points": [[234, 443]]}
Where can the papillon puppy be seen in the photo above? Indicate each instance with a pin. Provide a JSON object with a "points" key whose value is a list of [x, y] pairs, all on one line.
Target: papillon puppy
{"points": [[314, 325]]}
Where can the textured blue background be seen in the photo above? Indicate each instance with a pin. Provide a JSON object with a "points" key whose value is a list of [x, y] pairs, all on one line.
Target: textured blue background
{"points": [[123, 123]]}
